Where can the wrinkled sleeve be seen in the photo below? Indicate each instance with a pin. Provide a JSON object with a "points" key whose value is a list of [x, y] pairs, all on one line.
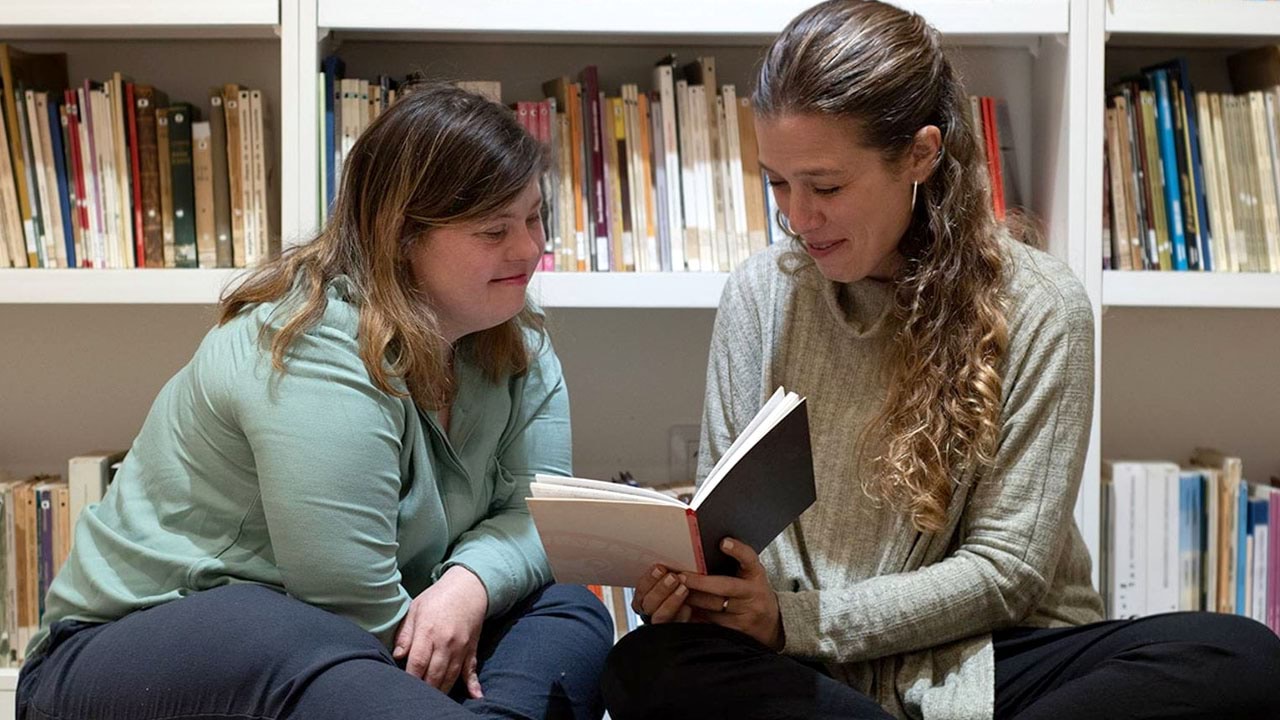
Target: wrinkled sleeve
{"points": [[326, 443]]}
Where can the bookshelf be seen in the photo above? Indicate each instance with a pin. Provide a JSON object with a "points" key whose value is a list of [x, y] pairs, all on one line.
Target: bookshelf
{"points": [[1188, 359], [203, 287], [1191, 290], [96, 345], [1202, 21]]}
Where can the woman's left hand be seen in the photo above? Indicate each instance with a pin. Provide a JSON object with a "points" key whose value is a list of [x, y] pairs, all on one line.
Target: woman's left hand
{"points": [[745, 603]]}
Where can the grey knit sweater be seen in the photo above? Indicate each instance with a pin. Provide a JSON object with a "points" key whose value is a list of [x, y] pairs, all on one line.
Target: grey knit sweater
{"points": [[903, 616]]}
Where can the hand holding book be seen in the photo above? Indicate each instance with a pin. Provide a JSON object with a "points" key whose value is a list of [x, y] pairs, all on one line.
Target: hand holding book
{"points": [[746, 603], [602, 533]]}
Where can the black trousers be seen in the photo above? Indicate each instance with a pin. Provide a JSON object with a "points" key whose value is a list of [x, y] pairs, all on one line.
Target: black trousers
{"points": [[244, 652], [1180, 665]]}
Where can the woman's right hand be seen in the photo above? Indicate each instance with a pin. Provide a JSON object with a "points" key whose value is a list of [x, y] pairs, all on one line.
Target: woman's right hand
{"points": [[660, 596]]}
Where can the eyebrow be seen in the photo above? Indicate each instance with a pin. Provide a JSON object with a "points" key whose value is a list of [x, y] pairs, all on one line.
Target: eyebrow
{"points": [[509, 215], [807, 172]]}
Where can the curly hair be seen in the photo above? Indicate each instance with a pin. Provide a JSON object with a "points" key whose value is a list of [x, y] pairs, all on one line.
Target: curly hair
{"points": [[883, 69], [437, 156]]}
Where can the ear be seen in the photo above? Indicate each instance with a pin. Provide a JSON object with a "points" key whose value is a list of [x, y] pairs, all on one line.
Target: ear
{"points": [[925, 153]]}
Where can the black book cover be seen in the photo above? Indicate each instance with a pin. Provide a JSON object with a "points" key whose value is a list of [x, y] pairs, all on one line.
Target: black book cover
{"points": [[765, 492]]}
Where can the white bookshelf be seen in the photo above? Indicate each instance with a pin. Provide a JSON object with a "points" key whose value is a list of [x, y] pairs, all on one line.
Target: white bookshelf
{"points": [[621, 336], [1187, 358], [749, 19], [68, 19], [203, 287], [1191, 290], [1197, 20]]}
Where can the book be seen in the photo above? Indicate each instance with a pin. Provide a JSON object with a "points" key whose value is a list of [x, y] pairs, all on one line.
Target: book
{"points": [[597, 532]]}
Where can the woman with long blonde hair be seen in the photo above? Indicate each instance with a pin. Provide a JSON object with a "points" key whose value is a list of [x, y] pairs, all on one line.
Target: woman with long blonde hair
{"points": [[324, 514], [949, 375]]}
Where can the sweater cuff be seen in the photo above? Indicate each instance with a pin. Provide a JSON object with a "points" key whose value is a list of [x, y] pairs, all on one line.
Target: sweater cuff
{"points": [[497, 578], [799, 612]]}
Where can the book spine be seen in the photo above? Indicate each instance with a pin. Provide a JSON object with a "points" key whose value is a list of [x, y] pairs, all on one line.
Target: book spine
{"points": [[184, 193], [152, 241], [695, 539]]}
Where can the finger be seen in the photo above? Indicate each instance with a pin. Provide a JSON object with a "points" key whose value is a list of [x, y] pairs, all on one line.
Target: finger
{"points": [[646, 583], [659, 594], [666, 612], [705, 601], [420, 654], [721, 585], [441, 667], [404, 637], [684, 614], [748, 561], [473, 679]]}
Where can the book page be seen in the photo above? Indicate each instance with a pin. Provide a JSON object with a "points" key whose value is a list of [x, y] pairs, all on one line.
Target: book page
{"points": [[770, 415], [761, 414], [558, 486], [605, 542]]}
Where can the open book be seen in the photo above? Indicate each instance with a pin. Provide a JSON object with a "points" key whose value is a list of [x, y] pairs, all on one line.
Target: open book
{"points": [[603, 533]]}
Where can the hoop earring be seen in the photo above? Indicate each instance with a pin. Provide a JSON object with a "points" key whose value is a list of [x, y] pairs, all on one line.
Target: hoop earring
{"points": [[784, 224], [914, 187]]}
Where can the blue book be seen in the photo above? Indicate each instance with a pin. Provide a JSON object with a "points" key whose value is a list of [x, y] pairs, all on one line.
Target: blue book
{"points": [[63, 193], [334, 69], [1242, 539], [1169, 164], [1177, 70]]}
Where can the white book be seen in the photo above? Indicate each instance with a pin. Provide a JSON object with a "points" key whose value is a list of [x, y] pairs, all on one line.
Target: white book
{"points": [[1162, 549], [1125, 482], [87, 478], [603, 533]]}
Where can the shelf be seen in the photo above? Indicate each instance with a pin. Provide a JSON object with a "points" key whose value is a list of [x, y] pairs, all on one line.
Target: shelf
{"points": [[628, 290], [750, 21], [71, 287], [152, 19], [1190, 289], [1197, 22], [202, 287]]}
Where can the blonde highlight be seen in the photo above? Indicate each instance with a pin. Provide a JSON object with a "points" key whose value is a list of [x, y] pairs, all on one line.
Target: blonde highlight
{"points": [[400, 181], [883, 69]]}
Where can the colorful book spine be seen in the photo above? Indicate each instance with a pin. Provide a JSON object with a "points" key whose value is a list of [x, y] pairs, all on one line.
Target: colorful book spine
{"points": [[1169, 164]]}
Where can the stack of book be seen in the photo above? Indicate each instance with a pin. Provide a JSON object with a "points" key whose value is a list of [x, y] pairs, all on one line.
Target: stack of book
{"points": [[38, 515], [659, 180], [1192, 179], [113, 174], [1198, 537]]}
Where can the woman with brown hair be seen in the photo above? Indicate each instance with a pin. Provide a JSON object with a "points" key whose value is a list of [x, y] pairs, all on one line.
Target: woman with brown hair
{"points": [[324, 514], [949, 377]]}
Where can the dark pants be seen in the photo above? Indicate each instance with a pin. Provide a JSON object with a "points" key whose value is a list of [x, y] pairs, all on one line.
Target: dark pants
{"points": [[1182, 665], [247, 652]]}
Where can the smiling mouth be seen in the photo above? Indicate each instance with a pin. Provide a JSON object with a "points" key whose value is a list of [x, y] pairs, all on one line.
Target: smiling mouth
{"points": [[511, 278], [822, 246]]}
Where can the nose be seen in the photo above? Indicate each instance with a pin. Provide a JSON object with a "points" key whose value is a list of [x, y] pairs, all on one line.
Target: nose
{"points": [[528, 244], [802, 214]]}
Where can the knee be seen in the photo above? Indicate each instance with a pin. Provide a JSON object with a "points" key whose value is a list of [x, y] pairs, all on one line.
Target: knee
{"points": [[575, 602], [644, 653], [1240, 654]]}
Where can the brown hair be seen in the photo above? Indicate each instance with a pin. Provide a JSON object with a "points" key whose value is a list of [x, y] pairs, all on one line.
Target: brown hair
{"points": [[883, 69], [436, 157]]}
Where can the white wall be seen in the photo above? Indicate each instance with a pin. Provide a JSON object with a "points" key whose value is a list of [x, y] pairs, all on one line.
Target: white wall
{"points": [[78, 378], [1176, 379]]}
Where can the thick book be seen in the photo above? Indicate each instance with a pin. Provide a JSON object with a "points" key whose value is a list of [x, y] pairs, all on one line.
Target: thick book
{"points": [[603, 533]]}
